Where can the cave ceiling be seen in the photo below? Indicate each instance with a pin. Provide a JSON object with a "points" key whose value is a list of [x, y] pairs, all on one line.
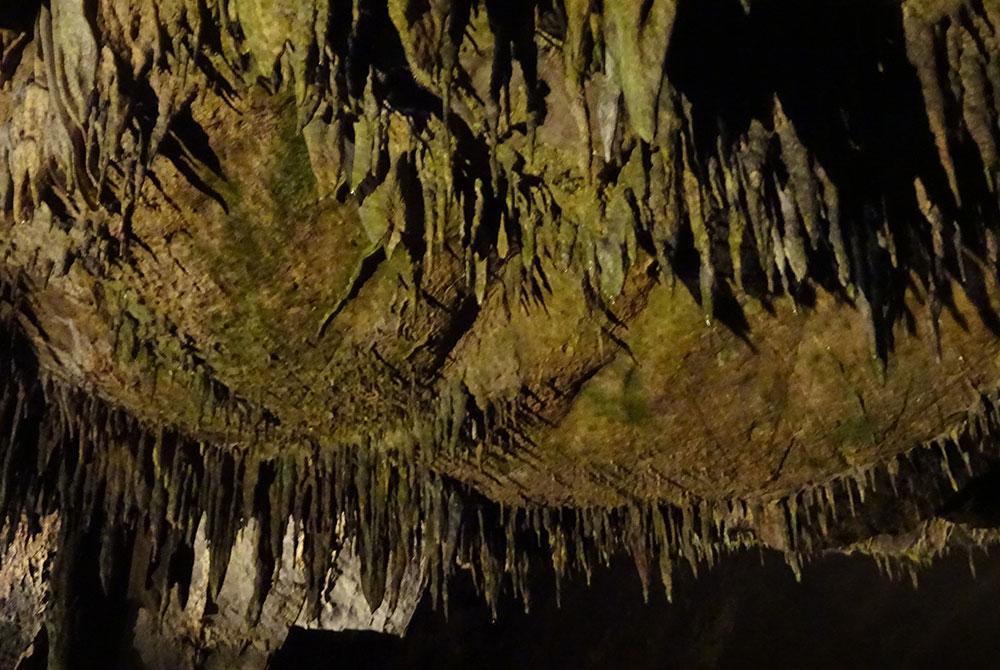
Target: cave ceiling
{"points": [[674, 277]]}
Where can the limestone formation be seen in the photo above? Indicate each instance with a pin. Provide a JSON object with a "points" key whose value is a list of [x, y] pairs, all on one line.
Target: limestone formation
{"points": [[428, 286]]}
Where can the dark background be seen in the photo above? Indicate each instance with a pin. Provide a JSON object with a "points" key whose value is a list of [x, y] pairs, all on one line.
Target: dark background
{"points": [[844, 613]]}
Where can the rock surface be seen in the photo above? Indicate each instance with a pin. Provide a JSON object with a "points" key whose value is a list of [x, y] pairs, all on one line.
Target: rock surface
{"points": [[442, 281]]}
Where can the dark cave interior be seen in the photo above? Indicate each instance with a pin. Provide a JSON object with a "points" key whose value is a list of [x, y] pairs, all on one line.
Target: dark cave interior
{"points": [[748, 612]]}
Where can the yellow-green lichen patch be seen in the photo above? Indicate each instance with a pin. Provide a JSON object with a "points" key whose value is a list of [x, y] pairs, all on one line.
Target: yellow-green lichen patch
{"points": [[698, 408], [269, 249]]}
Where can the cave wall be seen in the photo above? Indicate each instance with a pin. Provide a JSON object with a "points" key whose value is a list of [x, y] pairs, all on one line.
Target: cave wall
{"points": [[675, 278]]}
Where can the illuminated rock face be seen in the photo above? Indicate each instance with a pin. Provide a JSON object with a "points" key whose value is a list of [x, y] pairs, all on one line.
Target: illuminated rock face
{"points": [[24, 587], [444, 280], [220, 635], [173, 635]]}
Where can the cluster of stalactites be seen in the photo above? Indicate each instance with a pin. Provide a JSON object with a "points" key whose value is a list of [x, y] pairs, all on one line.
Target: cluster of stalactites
{"points": [[955, 51], [106, 473], [90, 100], [103, 471], [94, 98], [956, 54], [904, 556], [760, 212], [900, 495], [758, 205], [100, 469]]}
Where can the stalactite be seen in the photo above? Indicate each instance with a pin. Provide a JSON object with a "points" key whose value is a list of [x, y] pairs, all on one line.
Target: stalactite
{"points": [[800, 173], [700, 228], [980, 118], [921, 50], [657, 179], [736, 223], [636, 39], [340, 86], [933, 217], [753, 152], [791, 243]]}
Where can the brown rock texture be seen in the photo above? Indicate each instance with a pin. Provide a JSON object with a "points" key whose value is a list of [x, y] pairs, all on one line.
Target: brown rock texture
{"points": [[445, 280]]}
